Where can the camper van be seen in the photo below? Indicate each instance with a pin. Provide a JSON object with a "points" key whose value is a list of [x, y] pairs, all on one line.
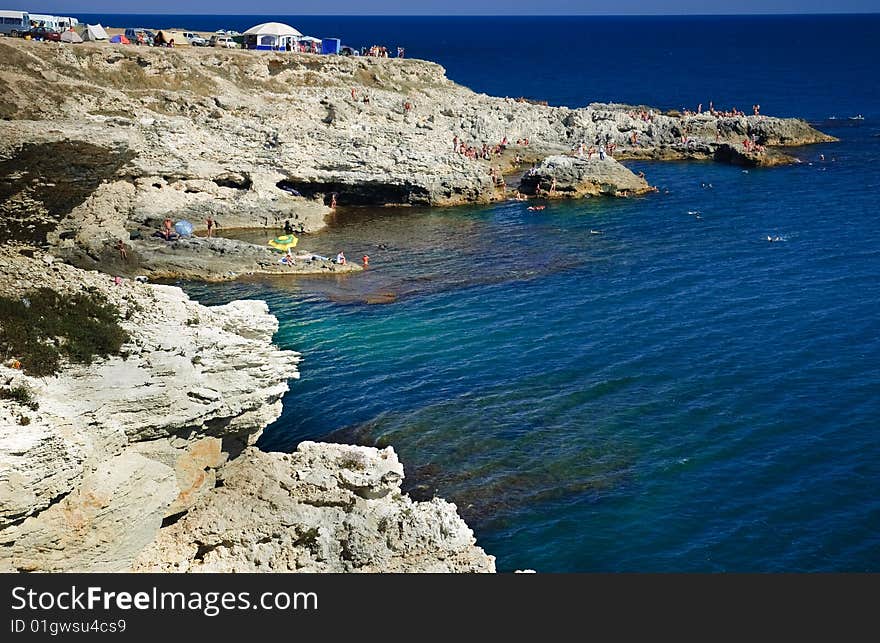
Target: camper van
{"points": [[47, 21], [14, 23], [55, 23]]}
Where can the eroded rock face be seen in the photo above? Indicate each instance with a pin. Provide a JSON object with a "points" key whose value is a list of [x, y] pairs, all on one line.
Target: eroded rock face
{"points": [[323, 508], [130, 440], [163, 435], [111, 515]]}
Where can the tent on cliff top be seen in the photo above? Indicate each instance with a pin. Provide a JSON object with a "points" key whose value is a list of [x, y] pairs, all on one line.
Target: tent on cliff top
{"points": [[94, 32], [71, 37], [270, 36]]}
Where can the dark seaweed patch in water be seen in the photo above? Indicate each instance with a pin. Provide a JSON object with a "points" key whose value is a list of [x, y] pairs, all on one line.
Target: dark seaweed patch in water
{"points": [[485, 491], [42, 183], [359, 292]]}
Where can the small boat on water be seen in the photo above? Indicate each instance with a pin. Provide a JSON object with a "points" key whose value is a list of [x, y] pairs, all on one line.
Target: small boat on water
{"points": [[857, 117]]}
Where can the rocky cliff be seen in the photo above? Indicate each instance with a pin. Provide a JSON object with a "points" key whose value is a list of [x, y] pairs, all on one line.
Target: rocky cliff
{"points": [[323, 508], [98, 141], [144, 460]]}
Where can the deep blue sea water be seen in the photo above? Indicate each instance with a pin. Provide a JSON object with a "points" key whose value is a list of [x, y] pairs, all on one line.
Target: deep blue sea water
{"points": [[672, 394]]}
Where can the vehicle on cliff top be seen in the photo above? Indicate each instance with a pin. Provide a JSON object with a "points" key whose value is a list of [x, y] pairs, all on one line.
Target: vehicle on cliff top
{"points": [[14, 23], [195, 39], [43, 33], [223, 41]]}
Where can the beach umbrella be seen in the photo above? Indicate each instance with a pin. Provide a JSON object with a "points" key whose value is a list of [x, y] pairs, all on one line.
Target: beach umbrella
{"points": [[284, 242], [183, 228]]}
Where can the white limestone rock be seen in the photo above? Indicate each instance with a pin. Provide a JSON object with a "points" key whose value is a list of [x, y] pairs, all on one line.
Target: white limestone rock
{"points": [[323, 508], [100, 527]]}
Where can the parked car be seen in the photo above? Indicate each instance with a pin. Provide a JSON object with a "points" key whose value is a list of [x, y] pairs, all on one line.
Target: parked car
{"points": [[43, 33], [223, 41], [139, 36], [195, 39], [345, 50]]}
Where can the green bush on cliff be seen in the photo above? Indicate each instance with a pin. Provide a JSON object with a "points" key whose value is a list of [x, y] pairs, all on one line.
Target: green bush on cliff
{"points": [[20, 394], [44, 327]]}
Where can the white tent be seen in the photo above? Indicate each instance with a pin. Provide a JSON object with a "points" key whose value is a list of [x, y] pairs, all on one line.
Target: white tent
{"points": [[272, 29], [270, 35], [95, 32], [309, 39], [71, 36]]}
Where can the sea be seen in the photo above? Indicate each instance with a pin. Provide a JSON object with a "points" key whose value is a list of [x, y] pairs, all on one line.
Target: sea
{"points": [[633, 385]]}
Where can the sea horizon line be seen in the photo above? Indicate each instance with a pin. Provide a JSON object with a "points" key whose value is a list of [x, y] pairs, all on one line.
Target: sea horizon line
{"points": [[494, 15]]}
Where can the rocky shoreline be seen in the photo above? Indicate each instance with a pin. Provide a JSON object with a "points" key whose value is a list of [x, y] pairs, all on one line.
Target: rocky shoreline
{"points": [[145, 461], [100, 143]]}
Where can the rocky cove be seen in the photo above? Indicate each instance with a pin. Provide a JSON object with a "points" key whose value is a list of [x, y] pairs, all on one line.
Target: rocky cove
{"points": [[145, 461], [101, 143]]}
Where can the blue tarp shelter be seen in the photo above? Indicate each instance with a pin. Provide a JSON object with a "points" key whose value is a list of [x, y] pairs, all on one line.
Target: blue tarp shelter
{"points": [[330, 46]]}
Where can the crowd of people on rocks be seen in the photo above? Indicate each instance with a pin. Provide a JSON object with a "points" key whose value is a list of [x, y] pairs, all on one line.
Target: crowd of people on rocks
{"points": [[751, 145], [377, 51], [600, 150], [485, 151], [645, 115], [717, 113]]}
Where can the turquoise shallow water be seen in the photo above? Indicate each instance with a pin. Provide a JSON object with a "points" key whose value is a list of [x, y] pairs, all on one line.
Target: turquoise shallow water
{"points": [[673, 394]]}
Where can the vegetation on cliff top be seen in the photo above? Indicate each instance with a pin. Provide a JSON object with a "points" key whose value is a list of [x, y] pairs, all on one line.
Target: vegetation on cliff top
{"points": [[44, 327]]}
